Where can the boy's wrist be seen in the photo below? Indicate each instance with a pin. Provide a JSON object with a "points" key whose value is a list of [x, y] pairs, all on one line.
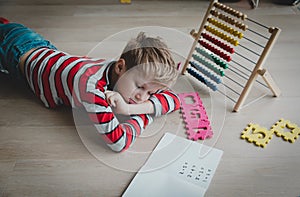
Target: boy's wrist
{"points": [[141, 108]]}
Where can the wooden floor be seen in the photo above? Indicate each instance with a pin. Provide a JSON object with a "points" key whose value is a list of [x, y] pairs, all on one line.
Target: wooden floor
{"points": [[43, 154]]}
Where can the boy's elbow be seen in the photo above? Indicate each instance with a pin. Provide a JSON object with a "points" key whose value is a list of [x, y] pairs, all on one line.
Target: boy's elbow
{"points": [[177, 103], [117, 148]]}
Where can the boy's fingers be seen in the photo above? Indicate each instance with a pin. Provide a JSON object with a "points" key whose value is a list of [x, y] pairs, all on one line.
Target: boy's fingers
{"points": [[112, 98], [113, 103], [108, 94]]}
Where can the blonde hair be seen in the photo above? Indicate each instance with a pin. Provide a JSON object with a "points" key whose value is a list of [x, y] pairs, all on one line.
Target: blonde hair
{"points": [[152, 56]]}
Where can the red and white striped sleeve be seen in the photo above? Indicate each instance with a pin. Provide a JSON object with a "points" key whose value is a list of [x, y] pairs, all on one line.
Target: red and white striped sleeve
{"points": [[165, 102]]}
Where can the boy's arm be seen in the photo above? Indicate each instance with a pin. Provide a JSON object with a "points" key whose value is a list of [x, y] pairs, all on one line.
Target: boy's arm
{"points": [[165, 102], [158, 104], [115, 100], [146, 107], [118, 136]]}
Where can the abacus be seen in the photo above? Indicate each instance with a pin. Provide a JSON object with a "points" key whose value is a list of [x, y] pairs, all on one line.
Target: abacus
{"points": [[224, 42]]}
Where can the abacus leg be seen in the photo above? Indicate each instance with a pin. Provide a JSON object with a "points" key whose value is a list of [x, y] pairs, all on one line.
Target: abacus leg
{"points": [[267, 78], [254, 3], [270, 82], [245, 91]]}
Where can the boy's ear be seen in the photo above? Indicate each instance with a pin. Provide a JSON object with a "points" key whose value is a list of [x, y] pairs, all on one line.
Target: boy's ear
{"points": [[120, 67]]}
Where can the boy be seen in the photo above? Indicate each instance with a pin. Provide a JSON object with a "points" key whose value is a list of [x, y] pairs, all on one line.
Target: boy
{"points": [[141, 78]]}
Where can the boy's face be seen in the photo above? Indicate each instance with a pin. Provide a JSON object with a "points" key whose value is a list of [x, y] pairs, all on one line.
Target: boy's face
{"points": [[137, 87]]}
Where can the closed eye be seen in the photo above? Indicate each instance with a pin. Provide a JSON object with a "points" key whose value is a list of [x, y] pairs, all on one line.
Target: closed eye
{"points": [[140, 87]]}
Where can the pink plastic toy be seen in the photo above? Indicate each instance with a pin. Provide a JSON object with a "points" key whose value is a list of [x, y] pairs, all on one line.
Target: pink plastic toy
{"points": [[194, 115]]}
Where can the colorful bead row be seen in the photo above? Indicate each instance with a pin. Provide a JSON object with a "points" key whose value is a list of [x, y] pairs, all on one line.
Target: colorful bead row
{"points": [[221, 35], [229, 20], [218, 43], [219, 62], [229, 10], [206, 72], [215, 50], [202, 79], [208, 65], [226, 28], [210, 56]]}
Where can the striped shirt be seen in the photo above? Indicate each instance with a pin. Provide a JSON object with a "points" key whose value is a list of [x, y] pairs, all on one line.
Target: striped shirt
{"points": [[58, 78]]}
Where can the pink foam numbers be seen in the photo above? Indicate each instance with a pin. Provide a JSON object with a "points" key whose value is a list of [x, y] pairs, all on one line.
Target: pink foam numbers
{"points": [[194, 115]]}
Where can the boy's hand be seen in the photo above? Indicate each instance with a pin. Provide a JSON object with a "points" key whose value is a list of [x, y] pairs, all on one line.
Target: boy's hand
{"points": [[116, 101], [119, 105]]}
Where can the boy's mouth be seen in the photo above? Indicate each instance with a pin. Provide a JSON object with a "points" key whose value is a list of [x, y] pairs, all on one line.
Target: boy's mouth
{"points": [[131, 101]]}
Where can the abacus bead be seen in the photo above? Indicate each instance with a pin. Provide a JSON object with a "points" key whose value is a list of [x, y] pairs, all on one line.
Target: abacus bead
{"points": [[236, 33], [222, 16], [225, 8], [240, 15], [241, 35], [213, 12], [226, 38], [235, 13], [234, 21], [229, 58], [217, 4], [194, 33], [271, 29], [228, 9]]}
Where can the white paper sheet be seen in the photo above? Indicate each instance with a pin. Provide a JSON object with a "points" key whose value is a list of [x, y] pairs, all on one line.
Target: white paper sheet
{"points": [[177, 167]]}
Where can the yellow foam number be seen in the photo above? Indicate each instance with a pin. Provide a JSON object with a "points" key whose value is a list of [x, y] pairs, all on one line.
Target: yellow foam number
{"points": [[279, 129], [258, 135], [125, 1]]}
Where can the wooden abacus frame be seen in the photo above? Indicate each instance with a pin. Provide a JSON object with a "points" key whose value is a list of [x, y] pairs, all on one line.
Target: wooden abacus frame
{"points": [[258, 69]]}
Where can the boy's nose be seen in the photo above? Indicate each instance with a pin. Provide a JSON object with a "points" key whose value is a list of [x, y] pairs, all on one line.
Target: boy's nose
{"points": [[142, 96]]}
